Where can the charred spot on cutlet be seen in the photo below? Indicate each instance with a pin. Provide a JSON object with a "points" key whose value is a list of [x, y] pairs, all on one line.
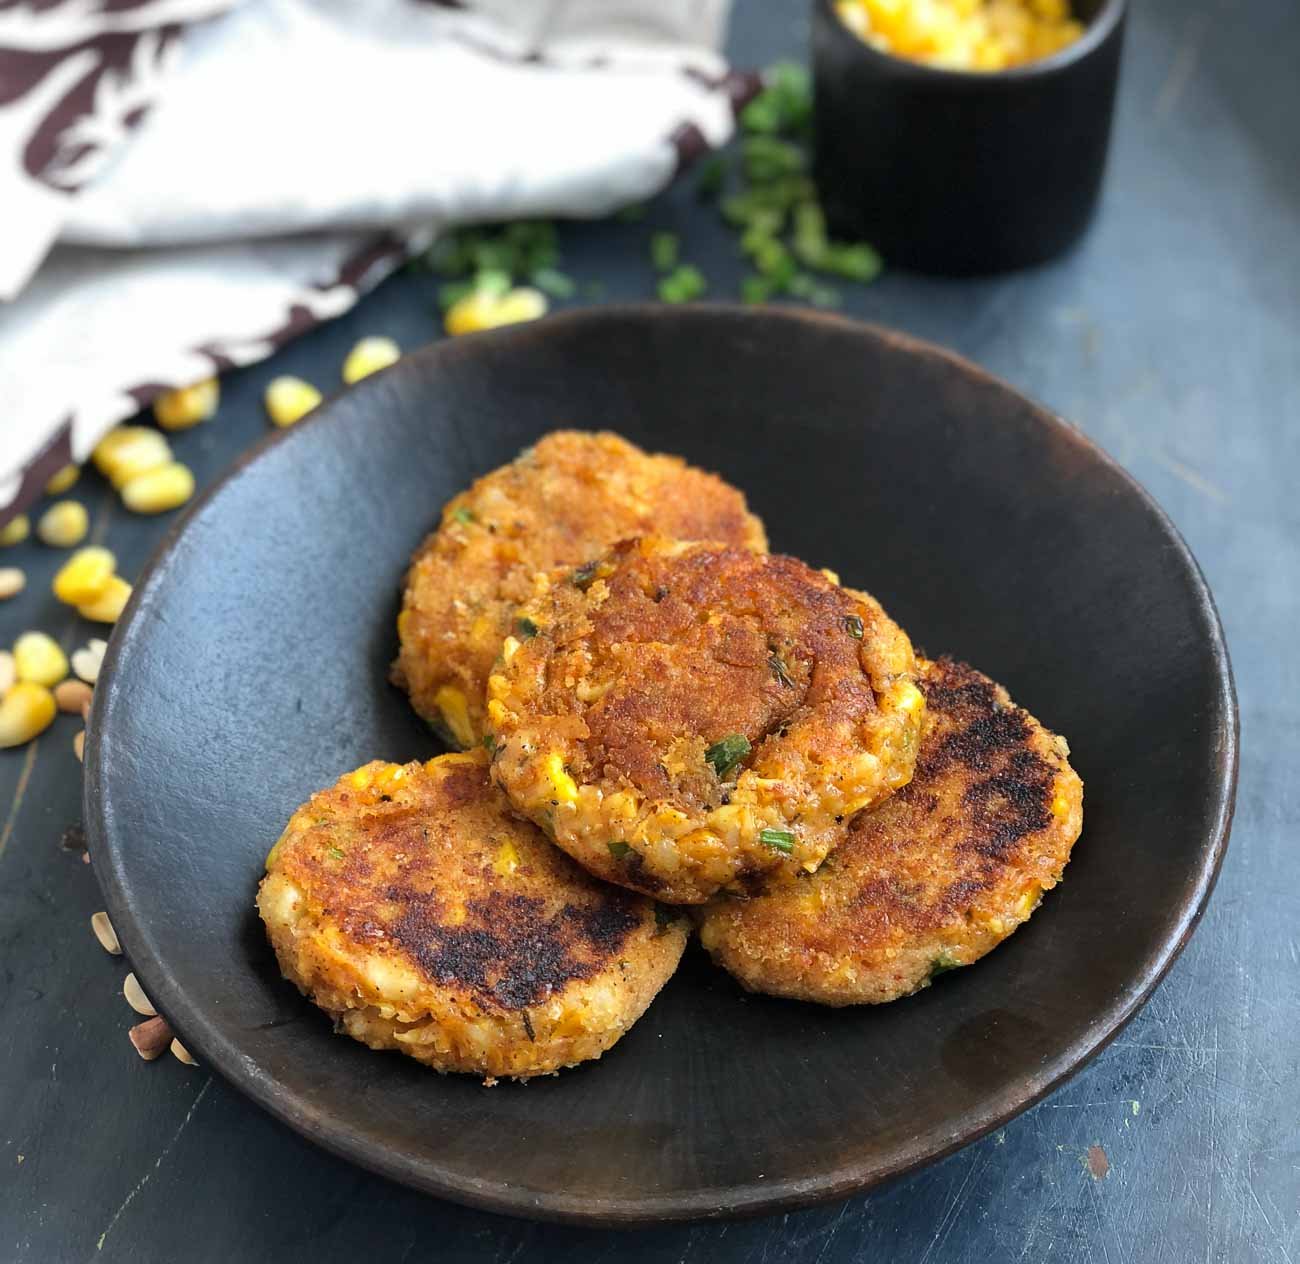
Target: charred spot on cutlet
{"points": [[510, 952]]}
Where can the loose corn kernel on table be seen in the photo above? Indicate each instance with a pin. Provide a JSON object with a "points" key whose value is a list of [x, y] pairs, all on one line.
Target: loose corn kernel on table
{"points": [[1170, 336]]}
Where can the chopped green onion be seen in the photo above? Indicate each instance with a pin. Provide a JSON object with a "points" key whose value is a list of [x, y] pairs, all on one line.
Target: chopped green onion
{"points": [[489, 743], [780, 671], [462, 514], [632, 214], [526, 627], [713, 175], [683, 284], [452, 292], [619, 850], [727, 752], [336, 853], [854, 625], [755, 289], [585, 575], [781, 840], [554, 283], [664, 250], [942, 964]]}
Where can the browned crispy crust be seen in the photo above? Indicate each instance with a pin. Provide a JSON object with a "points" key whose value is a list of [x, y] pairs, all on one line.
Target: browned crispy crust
{"points": [[934, 877], [410, 904], [625, 676], [562, 502]]}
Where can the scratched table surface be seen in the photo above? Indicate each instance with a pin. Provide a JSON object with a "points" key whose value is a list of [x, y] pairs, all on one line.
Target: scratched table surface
{"points": [[1172, 336]]}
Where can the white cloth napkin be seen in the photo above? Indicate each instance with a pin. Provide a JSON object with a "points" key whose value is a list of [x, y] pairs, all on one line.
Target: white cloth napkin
{"points": [[187, 184]]}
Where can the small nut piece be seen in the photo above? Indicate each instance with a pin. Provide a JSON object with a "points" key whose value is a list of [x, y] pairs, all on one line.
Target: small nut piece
{"points": [[15, 531], [369, 356], [26, 711], [87, 661], [136, 998], [39, 659], [151, 1037], [289, 399], [62, 479], [182, 1054], [71, 695], [105, 933], [158, 490], [63, 525], [84, 576], [187, 406], [12, 582], [107, 607]]}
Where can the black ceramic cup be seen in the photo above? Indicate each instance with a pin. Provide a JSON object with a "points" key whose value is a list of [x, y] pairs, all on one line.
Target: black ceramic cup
{"points": [[959, 172]]}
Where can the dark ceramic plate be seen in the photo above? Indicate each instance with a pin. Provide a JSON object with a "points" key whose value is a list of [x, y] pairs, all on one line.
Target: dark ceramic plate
{"points": [[250, 670]]}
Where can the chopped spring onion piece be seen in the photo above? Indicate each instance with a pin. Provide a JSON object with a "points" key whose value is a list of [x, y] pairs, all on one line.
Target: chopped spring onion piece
{"points": [[461, 514], [489, 743], [619, 851], [781, 840], [555, 283], [585, 575], [713, 175], [727, 752], [942, 964], [526, 627], [336, 853], [683, 284], [854, 625], [780, 671], [664, 250]]}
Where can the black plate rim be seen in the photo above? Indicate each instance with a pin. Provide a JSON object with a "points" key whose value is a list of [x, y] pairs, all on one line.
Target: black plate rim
{"points": [[202, 1036]]}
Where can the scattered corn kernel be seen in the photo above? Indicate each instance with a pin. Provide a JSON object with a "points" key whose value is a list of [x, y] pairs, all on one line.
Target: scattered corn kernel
{"points": [[71, 695], [158, 490], [26, 711], [84, 576], [188, 405], [12, 582], [8, 672], [108, 606], [455, 712], [63, 525], [39, 660], [62, 479], [981, 35], [87, 660], [506, 860], [15, 531], [127, 451], [79, 745], [289, 400], [482, 309], [369, 356]]}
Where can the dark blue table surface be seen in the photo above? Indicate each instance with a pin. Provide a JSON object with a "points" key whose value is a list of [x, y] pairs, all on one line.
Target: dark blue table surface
{"points": [[1172, 336]]}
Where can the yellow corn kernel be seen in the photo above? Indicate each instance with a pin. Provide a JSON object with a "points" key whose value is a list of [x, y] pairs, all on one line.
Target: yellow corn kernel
{"points": [[564, 786], [1060, 806], [506, 860], [84, 576], [360, 780], [12, 582], [62, 479], [8, 672], [39, 660], [369, 356], [63, 525], [107, 607], [289, 400], [128, 451], [158, 490], [454, 706], [188, 405], [15, 531], [26, 711], [482, 309]]}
